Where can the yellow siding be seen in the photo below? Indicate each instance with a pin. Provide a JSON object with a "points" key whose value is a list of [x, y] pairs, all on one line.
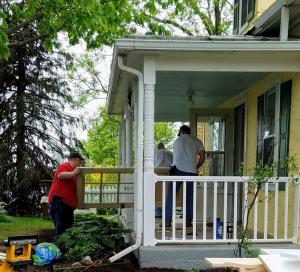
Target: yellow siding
{"points": [[260, 7], [250, 96]]}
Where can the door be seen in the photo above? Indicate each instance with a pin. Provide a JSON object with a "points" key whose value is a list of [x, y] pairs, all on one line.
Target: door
{"points": [[215, 128]]}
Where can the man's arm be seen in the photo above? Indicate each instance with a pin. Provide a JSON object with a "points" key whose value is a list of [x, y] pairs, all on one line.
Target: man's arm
{"points": [[201, 159], [67, 175]]}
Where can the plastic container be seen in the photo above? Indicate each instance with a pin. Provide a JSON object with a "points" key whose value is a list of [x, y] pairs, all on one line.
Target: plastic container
{"points": [[219, 229]]}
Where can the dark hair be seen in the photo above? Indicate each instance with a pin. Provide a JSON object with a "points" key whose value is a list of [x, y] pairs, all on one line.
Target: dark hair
{"points": [[75, 154], [185, 129]]}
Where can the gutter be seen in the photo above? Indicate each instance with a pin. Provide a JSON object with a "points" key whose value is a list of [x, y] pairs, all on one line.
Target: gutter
{"points": [[210, 45], [139, 162]]}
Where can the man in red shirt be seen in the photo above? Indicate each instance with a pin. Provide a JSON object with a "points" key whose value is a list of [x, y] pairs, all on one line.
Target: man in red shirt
{"points": [[62, 197]]}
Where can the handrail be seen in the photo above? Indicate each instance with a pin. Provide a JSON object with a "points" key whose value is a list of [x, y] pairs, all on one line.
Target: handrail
{"points": [[107, 170], [217, 178]]}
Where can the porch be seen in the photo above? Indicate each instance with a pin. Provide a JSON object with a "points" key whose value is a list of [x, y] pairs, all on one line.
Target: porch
{"points": [[203, 81]]}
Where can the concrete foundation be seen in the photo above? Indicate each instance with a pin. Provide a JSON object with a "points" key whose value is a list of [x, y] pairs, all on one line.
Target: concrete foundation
{"points": [[188, 257]]}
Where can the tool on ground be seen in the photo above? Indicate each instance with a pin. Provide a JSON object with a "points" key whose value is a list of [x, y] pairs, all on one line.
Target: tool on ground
{"points": [[18, 253]]}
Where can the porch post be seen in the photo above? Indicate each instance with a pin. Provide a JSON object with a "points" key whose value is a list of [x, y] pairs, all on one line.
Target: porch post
{"points": [[135, 139], [284, 23], [123, 141], [128, 137], [149, 177]]}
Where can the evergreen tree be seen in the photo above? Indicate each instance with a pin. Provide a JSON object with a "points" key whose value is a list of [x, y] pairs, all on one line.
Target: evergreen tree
{"points": [[32, 120]]}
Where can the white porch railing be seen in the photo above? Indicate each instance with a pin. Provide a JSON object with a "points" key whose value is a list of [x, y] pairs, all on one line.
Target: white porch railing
{"points": [[274, 217]]}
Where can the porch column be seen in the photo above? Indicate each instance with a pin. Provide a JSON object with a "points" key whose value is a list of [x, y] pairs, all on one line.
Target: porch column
{"points": [[123, 141], [128, 137], [128, 212], [149, 178], [135, 139]]}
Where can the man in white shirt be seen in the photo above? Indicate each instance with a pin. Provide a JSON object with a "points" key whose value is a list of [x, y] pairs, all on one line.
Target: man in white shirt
{"points": [[162, 158], [186, 149]]}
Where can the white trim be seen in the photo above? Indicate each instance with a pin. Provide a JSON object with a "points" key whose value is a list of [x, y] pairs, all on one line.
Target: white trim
{"points": [[188, 45]]}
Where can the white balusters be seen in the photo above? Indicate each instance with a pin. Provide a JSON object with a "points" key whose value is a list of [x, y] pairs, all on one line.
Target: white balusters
{"points": [[204, 209], [286, 210], [266, 210], [235, 203], [276, 211]]}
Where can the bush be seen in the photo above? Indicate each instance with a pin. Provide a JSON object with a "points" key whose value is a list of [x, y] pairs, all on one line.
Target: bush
{"points": [[4, 218], [91, 235]]}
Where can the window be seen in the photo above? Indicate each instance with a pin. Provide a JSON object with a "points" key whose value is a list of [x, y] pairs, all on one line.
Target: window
{"points": [[273, 118], [243, 12]]}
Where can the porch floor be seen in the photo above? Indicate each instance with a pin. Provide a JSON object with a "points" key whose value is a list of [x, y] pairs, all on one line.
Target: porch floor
{"points": [[192, 256]]}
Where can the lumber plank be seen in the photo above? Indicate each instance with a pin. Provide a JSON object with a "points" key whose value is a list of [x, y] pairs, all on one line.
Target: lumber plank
{"points": [[243, 264]]}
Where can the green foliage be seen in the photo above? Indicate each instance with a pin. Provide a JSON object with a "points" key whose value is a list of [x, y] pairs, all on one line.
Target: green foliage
{"points": [[107, 211], [164, 132], [91, 235], [246, 245], [4, 218], [261, 174], [103, 141], [98, 23]]}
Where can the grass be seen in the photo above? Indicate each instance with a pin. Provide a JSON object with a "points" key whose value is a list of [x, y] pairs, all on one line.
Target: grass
{"points": [[23, 226]]}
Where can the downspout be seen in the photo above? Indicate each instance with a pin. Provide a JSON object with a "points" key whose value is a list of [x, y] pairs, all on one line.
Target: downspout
{"points": [[139, 161]]}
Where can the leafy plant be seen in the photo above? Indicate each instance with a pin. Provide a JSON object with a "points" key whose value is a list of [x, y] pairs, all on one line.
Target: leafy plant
{"points": [[4, 218], [262, 174], [91, 235]]}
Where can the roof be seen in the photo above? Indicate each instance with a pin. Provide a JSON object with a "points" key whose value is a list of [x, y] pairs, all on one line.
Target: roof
{"points": [[268, 24]]}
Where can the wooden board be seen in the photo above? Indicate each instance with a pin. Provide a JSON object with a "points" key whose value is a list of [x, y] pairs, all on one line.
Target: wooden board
{"points": [[243, 264], [276, 263], [278, 251]]}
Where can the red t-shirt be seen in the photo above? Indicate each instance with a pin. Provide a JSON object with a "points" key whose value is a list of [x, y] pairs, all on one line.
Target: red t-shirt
{"points": [[64, 188]]}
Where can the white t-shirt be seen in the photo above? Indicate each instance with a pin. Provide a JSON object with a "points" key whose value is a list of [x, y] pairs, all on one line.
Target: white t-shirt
{"points": [[163, 158], [185, 149]]}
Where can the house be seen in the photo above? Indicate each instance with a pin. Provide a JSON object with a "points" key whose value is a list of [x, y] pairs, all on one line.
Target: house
{"points": [[241, 95]]}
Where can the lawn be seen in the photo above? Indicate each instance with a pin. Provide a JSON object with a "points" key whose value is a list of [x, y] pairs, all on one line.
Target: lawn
{"points": [[24, 226]]}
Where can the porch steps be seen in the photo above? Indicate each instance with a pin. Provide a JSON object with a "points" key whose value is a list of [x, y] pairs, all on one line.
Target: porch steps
{"points": [[192, 256]]}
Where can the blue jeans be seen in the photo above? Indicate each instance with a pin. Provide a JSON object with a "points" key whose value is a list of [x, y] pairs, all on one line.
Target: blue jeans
{"points": [[62, 215], [189, 196]]}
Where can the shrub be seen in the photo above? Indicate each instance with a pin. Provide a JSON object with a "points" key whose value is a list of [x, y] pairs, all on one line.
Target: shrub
{"points": [[91, 235], [4, 218]]}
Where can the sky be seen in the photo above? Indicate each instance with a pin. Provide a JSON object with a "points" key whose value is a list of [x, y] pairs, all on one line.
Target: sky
{"points": [[102, 61]]}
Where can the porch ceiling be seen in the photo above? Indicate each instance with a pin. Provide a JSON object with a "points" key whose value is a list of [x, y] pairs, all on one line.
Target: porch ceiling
{"points": [[210, 69], [176, 92]]}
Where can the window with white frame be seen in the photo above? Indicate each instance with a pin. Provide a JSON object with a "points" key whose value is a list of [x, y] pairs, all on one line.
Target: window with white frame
{"points": [[273, 122], [243, 13]]}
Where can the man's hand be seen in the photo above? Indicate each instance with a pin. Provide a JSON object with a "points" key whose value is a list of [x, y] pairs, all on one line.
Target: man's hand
{"points": [[67, 175], [201, 159], [76, 171]]}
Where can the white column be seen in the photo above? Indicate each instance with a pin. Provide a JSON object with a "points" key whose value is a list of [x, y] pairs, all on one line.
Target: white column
{"points": [[123, 141], [128, 212], [128, 137], [149, 177], [135, 139], [284, 23]]}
